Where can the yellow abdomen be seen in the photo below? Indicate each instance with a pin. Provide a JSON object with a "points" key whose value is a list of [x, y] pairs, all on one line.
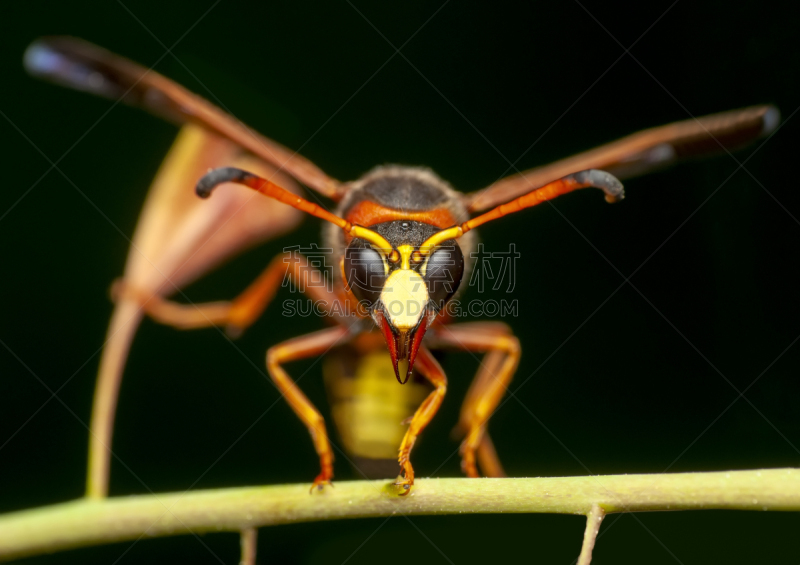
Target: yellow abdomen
{"points": [[369, 407]]}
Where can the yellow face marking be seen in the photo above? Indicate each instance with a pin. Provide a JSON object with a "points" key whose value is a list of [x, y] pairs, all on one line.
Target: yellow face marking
{"points": [[404, 297], [423, 269], [450, 233], [377, 240], [405, 254]]}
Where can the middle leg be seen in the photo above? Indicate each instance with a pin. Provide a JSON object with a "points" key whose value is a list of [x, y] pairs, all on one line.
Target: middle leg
{"points": [[487, 389]]}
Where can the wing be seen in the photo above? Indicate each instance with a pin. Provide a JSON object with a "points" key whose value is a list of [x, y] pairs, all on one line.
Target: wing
{"points": [[81, 65], [178, 239], [641, 152]]}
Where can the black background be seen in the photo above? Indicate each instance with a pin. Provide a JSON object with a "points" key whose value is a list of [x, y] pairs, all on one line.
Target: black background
{"points": [[636, 382]]}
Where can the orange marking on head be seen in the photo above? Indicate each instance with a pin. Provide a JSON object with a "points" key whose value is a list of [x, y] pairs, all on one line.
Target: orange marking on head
{"points": [[367, 213]]}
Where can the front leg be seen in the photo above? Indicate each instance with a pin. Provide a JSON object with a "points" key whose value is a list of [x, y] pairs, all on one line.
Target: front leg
{"points": [[431, 370], [238, 314], [309, 345]]}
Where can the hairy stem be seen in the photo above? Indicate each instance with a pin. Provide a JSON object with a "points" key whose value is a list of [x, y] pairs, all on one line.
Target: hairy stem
{"points": [[90, 522]]}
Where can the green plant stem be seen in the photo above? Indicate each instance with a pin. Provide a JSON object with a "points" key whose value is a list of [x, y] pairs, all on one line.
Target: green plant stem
{"points": [[248, 546], [89, 522], [593, 520]]}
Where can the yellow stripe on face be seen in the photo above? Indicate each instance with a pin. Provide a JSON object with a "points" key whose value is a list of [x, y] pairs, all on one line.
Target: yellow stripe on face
{"points": [[404, 298], [378, 241], [405, 254]]}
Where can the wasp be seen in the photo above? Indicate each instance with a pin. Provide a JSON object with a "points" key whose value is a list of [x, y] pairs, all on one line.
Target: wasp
{"points": [[401, 240]]}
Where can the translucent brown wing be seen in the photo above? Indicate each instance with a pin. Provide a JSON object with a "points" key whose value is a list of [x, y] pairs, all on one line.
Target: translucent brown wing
{"points": [[641, 152], [178, 239], [84, 66]]}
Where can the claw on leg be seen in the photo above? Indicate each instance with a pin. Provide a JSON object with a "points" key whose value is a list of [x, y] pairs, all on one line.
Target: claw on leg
{"points": [[406, 485], [467, 450], [320, 482], [468, 465], [325, 474], [407, 480]]}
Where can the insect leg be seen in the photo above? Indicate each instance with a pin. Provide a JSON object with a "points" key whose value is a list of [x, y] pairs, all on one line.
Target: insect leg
{"points": [[431, 370], [238, 314], [497, 369], [303, 347], [486, 455]]}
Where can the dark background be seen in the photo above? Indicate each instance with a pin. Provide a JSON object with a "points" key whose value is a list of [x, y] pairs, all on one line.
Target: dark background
{"points": [[640, 382]]}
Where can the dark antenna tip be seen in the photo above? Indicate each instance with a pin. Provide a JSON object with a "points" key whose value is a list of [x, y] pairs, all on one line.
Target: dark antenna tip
{"points": [[606, 182], [215, 177], [204, 186]]}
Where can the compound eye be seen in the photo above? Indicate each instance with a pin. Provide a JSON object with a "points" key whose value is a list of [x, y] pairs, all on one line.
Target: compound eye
{"points": [[443, 273], [365, 272]]}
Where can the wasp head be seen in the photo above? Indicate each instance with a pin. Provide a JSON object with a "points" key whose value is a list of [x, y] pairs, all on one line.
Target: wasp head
{"points": [[403, 289]]}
